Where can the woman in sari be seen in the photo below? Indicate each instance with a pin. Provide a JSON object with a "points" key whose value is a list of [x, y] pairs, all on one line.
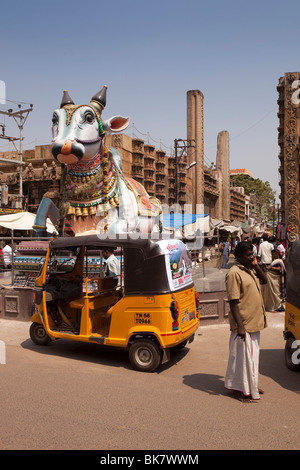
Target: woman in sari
{"points": [[274, 292]]}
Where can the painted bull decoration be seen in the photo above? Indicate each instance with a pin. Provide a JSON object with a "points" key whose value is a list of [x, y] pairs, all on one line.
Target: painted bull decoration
{"points": [[95, 196]]}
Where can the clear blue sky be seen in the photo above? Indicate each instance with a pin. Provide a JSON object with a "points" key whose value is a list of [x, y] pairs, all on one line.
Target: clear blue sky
{"points": [[149, 54]]}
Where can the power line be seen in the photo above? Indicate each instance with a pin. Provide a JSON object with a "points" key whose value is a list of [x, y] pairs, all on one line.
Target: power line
{"points": [[247, 129], [13, 101], [149, 137]]}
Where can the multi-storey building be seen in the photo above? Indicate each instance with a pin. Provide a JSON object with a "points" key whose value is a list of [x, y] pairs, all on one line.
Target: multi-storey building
{"points": [[237, 204]]}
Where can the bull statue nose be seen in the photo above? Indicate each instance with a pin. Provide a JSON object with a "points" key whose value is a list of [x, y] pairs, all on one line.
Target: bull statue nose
{"points": [[67, 147], [68, 152]]}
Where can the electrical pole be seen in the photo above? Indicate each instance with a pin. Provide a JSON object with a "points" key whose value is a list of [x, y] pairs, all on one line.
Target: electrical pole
{"points": [[20, 118], [183, 145]]}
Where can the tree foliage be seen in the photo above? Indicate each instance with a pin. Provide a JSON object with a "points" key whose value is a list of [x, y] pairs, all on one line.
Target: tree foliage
{"points": [[261, 192]]}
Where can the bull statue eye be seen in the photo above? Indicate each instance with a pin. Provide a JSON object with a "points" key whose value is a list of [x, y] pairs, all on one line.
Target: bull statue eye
{"points": [[89, 117], [54, 119]]}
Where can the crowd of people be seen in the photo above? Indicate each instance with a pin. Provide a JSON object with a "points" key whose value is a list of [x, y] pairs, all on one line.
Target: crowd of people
{"points": [[270, 254]]}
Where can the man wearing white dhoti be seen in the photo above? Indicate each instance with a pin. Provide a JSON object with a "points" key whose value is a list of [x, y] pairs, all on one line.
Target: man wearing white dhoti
{"points": [[247, 319]]}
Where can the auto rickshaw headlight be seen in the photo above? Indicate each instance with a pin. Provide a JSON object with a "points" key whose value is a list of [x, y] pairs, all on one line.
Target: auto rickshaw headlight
{"points": [[174, 310]]}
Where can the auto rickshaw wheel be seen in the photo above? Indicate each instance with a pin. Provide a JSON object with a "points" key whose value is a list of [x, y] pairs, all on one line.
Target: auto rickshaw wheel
{"points": [[290, 349], [38, 334], [145, 355]]}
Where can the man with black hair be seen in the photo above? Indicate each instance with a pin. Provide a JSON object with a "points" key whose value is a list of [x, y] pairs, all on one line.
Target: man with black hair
{"points": [[265, 251], [112, 263], [247, 319]]}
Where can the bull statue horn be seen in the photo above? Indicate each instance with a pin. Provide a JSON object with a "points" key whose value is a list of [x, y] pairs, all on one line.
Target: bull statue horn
{"points": [[99, 99], [66, 99]]}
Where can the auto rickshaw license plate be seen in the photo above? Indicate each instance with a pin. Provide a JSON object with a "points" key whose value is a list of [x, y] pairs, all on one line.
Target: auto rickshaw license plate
{"points": [[143, 318]]}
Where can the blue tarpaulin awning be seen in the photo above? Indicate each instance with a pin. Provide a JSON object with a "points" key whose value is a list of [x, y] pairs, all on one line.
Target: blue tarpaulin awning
{"points": [[177, 220]]}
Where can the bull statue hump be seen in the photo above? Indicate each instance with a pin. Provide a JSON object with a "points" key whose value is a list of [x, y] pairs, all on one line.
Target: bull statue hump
{"points": [[95, 196]]}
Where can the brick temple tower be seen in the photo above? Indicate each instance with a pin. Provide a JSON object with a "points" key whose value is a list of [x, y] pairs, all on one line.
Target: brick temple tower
{"points": [[223, 176]]}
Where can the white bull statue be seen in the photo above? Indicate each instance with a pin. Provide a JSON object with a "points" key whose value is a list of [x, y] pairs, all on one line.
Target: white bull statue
{"points": [[95, 196]]}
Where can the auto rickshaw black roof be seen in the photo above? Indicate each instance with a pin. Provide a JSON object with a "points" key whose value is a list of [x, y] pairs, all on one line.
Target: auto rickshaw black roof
{"points": [[144, 261]]}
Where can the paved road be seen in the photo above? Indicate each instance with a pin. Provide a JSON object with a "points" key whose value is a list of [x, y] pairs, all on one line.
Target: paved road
{"points": [[77, 396]]}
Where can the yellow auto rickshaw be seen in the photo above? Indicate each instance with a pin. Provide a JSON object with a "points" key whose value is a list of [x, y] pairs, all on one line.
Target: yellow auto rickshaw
{"points": [[149, 309], [292, 308]]}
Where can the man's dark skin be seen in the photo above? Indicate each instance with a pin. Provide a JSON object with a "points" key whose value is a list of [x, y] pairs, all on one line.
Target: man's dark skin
{"points": [[249, 261]]}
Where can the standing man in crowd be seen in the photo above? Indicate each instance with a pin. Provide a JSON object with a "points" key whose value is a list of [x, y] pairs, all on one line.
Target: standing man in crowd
{"points": [[280, 248], [226, 254], [247, 319], [265, 251]]}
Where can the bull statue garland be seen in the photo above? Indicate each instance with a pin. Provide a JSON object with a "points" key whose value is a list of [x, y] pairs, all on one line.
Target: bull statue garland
{"points": [[95, 196]]}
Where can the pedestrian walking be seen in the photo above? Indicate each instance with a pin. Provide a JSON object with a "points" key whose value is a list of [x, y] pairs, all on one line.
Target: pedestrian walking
{"points": [[265, 251], [274, 291], [220, 255], [226, 254], [247, 319]]}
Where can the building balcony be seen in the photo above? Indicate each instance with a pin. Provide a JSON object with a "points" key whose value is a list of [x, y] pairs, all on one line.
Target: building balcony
{"points": [[171, 162], [211, 189], [138, 145], [149, 165], [148, 160], [149, 151], [161, 157], [160, 167], [150, 188], [137, 159], [137, 171], [160, 190], [148, 175]]}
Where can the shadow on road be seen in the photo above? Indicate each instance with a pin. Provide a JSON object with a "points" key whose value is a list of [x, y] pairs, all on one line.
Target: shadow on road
{"points": [[94, 353], [272, 364], [80, 351], [208, 383]]}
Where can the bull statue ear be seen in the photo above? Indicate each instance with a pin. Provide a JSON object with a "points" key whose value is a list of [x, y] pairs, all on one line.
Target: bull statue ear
{"points": [[115, 124], [66, 99], [99, 99]]}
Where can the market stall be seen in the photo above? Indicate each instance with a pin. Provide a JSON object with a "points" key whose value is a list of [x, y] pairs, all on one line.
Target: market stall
{"points": [[186, 225], [28, 254]]}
